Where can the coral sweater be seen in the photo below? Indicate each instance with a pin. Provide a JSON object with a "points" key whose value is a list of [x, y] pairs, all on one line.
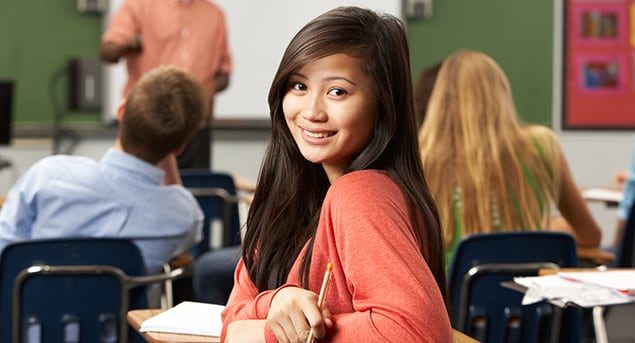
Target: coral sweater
{"points": [[381, 288]]}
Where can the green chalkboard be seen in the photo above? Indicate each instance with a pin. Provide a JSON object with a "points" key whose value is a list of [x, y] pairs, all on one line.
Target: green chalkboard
{"points": [[37, 37], [517, 34]]}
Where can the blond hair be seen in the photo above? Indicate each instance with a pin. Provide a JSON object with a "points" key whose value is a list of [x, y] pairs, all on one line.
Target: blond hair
{"points": [[485, 170]]}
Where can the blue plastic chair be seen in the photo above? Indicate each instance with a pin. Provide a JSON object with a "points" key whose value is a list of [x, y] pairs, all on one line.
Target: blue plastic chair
{"points": [[216, 194], [482, 308], [71, 290]]}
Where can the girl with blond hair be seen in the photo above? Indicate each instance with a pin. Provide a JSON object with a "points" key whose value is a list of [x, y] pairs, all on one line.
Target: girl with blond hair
{"points": [[486, 171]]}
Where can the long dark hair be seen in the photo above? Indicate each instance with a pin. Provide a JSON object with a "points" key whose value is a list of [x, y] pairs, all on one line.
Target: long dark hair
{"points": [[284, 213]]}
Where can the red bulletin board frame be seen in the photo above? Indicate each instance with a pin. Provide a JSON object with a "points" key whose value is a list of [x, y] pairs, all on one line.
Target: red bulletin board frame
{"points": [[599, 57]]}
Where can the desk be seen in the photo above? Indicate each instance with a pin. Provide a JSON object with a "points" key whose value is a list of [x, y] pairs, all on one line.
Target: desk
{"points": [[609, 196], [460, 337], [597, 309], [136, 317]]}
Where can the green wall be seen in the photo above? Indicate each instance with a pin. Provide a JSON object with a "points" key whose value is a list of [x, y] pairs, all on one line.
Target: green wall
{"points": [[37, 37], [517, 34]]}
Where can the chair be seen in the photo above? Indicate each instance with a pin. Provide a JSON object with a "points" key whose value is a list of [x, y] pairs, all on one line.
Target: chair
{"points": [[71, 290], [489, 312], [216, 194]]}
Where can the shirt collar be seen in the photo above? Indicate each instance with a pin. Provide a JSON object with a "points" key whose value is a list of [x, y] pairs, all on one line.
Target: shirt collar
{"points": [[134, 167]]}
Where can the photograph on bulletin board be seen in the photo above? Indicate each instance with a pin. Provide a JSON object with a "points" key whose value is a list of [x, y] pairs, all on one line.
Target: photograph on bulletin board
{"points": [[598, 66]]}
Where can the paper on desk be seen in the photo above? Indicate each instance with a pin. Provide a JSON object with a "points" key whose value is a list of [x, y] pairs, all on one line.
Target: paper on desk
{"points": [[188, 317], [561, 291], [603, 194], [620, 280]]}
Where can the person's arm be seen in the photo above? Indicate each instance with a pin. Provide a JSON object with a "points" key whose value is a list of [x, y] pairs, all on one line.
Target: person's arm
{"points": [[217, 84], [111, 52], [570, 203], [18, 213], [628, 185], [245, 331], [574, 209], [395, 296], [245, 304], [123, 36], [221, 77], [221, 81]]}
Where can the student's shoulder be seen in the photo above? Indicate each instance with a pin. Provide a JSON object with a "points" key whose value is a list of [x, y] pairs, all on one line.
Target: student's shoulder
{"points": [[63, 163], [540, 133], [58, 167], [544, 139], [212, 7], [178, 193], [363, 185]]}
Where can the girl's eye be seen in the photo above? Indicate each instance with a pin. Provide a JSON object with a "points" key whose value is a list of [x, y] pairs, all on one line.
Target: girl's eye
{"points": [[298, 86], [337, 91]]}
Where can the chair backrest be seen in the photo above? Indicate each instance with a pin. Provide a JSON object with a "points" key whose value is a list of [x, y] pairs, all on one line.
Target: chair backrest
{"points": [[84, 306], [626, 253], [216, 207], [488, 311]]}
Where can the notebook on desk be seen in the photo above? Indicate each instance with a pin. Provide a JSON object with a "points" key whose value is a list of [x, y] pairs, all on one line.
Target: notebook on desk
{"points": [[188, 317]]}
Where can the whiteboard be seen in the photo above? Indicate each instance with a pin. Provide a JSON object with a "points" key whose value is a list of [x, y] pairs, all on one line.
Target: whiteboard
{"points": [[114, 75], [259, 31]]}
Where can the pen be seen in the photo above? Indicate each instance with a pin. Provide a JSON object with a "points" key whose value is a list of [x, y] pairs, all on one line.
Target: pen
{"points": [[322, 295]]}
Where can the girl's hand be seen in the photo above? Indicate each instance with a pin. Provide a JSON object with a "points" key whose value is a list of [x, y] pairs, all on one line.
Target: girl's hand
{"points": [[294, 313], [247, 331]]}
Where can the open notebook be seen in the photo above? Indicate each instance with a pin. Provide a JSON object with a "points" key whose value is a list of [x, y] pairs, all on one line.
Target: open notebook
{"points": [[188, 317]]}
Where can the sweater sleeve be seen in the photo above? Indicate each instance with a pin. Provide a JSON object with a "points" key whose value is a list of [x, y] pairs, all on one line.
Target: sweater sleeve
{"points": [[395, 297], [246, 303]]}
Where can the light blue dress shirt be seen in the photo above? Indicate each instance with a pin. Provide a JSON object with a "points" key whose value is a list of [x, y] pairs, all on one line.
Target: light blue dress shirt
{"points": [[629, 189], [119, 196]]}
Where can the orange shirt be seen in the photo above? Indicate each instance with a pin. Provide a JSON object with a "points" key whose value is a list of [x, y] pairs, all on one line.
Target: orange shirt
{"points": [[190, 34], [381, 288]]}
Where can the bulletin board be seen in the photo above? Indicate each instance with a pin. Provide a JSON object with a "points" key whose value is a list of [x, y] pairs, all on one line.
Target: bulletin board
{"points": [[599, 64]]}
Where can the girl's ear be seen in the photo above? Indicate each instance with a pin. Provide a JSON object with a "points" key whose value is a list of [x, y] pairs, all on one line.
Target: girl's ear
{"points": [[121, 109]]}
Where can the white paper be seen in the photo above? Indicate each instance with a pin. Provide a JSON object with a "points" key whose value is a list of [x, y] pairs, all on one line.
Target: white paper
{"points": [[621, 280], [188, 317], [561, 291], [603, 194]]}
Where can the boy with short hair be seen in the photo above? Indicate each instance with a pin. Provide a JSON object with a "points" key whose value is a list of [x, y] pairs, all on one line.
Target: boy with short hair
{"points": [[124, 194]]}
